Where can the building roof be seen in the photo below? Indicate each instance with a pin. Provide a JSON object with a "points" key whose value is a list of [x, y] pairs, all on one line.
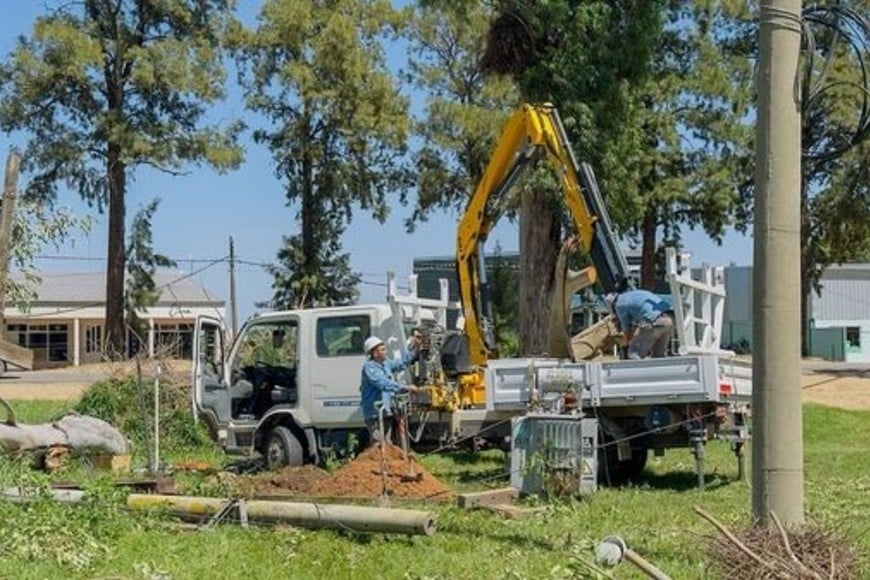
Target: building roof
{"points": [[90, 288]]}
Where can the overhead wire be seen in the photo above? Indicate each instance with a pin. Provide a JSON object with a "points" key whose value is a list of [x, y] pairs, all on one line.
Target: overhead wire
{"points": [[845, 25]]}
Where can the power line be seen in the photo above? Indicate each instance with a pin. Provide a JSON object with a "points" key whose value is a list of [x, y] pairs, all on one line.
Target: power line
{"points": [[97, 259]]}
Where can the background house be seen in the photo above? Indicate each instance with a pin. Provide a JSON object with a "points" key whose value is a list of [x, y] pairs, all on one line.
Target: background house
{"points": [[66, 322], [839, 318]]}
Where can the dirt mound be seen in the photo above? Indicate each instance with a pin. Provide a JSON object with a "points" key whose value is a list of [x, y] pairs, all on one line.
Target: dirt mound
{"points": [[364, 478], [288, 481]]}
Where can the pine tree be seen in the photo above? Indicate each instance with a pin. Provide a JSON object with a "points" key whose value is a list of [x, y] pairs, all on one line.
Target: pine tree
{"points": [[336, 125], [102, 87]]}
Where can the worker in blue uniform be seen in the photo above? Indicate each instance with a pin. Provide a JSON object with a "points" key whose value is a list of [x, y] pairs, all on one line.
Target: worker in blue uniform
{"points": [[646, 319], [379, 388]]}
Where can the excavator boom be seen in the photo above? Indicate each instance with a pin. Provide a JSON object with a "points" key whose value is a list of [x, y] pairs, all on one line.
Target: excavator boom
{"points": [[532, 132]]}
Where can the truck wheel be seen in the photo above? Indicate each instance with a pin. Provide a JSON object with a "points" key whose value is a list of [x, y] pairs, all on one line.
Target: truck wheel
{"points": [[633, 467], [283, 449], [609, 472]]}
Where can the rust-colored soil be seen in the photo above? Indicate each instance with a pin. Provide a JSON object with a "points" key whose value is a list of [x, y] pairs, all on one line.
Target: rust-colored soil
{"points": [[364, 478], [360, 479], [288, 481]]}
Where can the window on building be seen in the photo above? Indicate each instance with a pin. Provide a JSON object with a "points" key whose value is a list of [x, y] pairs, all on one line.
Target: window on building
{"points": [[49, 342], [93, 339], [853, 337], [174, 340], [17, 333], [342, 335]]}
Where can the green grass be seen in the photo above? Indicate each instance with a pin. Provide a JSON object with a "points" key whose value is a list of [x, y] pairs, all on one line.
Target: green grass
{"points": [[37, 411], [655, 518]]}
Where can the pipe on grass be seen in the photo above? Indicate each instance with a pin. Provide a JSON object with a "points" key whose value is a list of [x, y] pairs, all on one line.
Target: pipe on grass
{"points": [[303, 515]]}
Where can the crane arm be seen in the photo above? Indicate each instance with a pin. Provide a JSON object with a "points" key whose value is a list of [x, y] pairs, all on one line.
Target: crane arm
{"points": [[532, 131]]}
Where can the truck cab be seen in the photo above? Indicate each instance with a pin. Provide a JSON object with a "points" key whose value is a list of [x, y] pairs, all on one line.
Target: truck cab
{"points": [[288, 386]]}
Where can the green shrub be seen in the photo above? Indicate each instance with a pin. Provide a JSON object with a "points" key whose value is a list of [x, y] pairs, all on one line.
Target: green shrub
{"points": [[128, 404]]}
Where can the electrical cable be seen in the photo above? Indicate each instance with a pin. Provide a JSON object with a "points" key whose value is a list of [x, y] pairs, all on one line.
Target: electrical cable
{"points": [[842, 25]]}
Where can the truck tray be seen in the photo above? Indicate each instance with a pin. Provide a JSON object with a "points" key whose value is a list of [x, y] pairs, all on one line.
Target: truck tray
{"points": [[512, 384]]}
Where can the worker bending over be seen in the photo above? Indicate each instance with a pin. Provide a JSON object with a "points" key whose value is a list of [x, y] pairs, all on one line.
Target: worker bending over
{"points": [[378, 385], [646, 319]]}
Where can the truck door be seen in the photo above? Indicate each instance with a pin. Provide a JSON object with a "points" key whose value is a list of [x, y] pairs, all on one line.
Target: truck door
{"points": [[211, 399], [335, 367]]}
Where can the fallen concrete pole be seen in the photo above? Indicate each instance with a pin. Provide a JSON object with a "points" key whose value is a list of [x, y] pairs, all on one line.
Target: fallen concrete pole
{"points": [[303, 515]]}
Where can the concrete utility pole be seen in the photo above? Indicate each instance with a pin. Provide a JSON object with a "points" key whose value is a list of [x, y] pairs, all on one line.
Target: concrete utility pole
{"points": [[234, 313], [7, 217], [777, 452]]}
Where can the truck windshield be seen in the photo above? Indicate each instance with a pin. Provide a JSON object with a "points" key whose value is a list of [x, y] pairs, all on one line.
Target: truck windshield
{"points": [[270, 342]]}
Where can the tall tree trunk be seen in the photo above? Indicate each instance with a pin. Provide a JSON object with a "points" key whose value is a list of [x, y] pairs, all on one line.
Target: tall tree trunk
{"points": [[309, 212], [539, 240], [806, 272], [309, 245], [648, 250], [115, 328]]}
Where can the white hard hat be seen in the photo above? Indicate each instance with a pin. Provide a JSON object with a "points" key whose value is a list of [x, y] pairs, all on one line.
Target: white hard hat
{"points": [[610, 299], [371, 343]]}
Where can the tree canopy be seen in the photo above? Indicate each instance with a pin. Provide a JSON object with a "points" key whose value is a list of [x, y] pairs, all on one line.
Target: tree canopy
{"points": [[464, 110], [695, 160], [337, 127], [142, 263], [586, 58], [101, 87]]}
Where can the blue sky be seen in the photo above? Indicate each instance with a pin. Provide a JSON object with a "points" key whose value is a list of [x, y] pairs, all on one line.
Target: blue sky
{"points": [[199, 212]]}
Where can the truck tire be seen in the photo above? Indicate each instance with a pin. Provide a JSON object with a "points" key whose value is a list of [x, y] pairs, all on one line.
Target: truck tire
{"points": [[632, 468], [283, 449], [615, 473]]}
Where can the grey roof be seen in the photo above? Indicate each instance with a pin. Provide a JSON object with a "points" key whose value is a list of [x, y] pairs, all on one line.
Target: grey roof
{"points": [[90, 287]]}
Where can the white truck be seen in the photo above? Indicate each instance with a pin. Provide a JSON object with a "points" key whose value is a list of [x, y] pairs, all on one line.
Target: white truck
{"points": [[288, 385]]}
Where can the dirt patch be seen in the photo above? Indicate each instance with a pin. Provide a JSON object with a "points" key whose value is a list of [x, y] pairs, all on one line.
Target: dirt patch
{"points": [[64, 391], [288, 481], [364, 478], [842, 391], [361, 478], [70, 382]]}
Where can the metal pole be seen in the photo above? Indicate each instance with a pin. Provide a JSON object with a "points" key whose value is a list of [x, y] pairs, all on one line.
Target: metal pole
{"points": [[777, 458], [156, 461], [234, 313]]}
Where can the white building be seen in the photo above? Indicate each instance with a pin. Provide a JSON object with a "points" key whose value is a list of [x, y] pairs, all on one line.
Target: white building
{"points": [[845, 303], [66, 322], [839, 317]]}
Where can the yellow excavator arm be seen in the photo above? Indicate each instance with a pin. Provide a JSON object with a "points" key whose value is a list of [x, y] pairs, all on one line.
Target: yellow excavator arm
{"points": [[532, 132]]}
